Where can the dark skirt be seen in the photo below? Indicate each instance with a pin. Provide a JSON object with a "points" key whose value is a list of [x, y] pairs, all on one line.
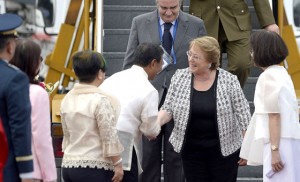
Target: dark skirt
{"points": [[207, 165], [87, 174]]}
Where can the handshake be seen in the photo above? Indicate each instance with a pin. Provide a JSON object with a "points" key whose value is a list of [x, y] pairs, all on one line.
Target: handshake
{"points": [[163, 117]]}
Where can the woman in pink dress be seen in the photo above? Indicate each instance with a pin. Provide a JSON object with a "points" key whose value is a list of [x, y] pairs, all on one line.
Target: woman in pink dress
{"points": [[27, 58]]}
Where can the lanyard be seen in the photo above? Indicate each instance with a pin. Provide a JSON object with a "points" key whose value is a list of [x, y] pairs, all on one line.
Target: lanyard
{"points": [[174, 35]]}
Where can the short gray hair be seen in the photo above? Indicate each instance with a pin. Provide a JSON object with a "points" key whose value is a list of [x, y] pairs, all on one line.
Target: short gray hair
{"points": [[180, 2], [211, 48]]}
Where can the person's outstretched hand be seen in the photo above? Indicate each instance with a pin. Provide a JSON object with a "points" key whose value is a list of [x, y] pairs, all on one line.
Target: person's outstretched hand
{"points": [[242, 162]]}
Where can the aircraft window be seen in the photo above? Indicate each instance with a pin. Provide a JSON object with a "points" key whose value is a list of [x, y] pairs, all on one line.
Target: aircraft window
{"points": [[46, 6]]}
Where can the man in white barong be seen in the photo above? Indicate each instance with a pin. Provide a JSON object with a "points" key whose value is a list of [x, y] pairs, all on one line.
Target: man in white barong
{"points": [[139, 105]]}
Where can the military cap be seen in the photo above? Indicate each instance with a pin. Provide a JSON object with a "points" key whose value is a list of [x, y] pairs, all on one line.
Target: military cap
{"points": [[8, 24]]}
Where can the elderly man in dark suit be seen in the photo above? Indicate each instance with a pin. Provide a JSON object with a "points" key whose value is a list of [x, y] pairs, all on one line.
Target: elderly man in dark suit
{"points": [[174, 29], [15, 106]]}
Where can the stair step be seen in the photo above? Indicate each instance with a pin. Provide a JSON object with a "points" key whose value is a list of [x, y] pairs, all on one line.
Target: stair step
{"points": [[254, 171], [249, 88], [120, 17], [255, 71], [114, 62], [115, 40]]}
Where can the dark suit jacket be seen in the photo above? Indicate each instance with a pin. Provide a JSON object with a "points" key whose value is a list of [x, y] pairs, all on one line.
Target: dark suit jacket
{"points": [[15, 111], [145, 29], [234, 15]]}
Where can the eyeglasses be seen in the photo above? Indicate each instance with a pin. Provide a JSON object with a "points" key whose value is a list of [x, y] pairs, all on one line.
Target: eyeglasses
{"points": [[193, 56]]}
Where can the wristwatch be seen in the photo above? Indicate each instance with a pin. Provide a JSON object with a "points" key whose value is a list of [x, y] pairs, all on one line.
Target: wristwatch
{"points": [[274, 148]]}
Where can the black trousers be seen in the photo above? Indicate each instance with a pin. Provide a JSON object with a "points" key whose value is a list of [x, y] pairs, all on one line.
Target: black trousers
{"points": [[153, 158], [87, 174], [207, 165], [160, 151], [132, 175]]}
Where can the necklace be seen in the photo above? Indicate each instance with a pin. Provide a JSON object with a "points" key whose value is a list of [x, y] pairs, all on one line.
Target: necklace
{"points": [[197, 77]]}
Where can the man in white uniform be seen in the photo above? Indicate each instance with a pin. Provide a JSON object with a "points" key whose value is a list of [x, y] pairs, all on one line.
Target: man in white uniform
{"points": [[139, 105]]}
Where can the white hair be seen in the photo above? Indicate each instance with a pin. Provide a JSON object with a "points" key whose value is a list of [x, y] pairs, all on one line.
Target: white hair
{"points": [[180, 2]]}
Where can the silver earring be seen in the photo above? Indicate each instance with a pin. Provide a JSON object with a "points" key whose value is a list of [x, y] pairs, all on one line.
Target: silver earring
{"points": [[209, 65]]}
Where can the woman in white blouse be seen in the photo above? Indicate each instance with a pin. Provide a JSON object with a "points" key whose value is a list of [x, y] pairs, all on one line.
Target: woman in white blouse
{"points": [[91, 145], [273, 136]]}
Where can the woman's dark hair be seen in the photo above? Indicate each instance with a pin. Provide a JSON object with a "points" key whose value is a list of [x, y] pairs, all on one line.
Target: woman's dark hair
{"points": [[146, 52], [27, 58], [87, 64], [267, 48]]}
